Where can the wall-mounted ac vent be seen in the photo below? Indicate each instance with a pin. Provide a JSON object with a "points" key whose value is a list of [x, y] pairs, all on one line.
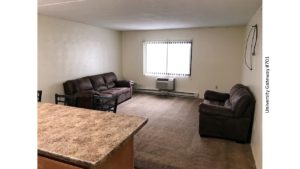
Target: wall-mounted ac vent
{"points": [[165, 84]]}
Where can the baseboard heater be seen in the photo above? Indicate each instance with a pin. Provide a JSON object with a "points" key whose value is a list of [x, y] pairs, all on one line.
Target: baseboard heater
{"points": [[170, 93]]}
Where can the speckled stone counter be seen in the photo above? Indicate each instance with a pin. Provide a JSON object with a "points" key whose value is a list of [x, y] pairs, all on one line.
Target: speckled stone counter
{"points": [[81, 136]]}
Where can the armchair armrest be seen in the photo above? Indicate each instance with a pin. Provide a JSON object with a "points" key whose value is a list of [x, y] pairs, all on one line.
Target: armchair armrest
{"points": [[123, 83], [217, 96], [215, 110]]}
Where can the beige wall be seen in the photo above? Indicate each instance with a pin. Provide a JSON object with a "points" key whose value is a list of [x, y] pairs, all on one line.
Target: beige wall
{"points": [[216, 57], [253, 79], [68, 50]]}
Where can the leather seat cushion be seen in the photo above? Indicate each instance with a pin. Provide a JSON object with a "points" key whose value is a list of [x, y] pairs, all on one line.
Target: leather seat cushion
{"points": [[212, 102], [116, 90]]}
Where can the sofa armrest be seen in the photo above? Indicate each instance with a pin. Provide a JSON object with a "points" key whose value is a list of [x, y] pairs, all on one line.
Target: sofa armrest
{"points": [[215, 110], [123, 83], [217, 96]]}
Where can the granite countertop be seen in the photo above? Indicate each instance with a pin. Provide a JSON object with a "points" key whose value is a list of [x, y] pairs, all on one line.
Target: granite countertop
{"points": [[81, 136]]}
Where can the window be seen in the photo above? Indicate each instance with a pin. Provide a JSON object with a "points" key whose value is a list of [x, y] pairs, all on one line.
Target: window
{"points": [[170, 58]]}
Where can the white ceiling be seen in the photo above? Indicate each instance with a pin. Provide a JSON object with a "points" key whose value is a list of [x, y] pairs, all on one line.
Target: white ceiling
{"points": [[152, 14]]}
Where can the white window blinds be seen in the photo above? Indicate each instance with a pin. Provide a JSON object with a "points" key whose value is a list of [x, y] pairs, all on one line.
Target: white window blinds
{"points": [[167, 58]]}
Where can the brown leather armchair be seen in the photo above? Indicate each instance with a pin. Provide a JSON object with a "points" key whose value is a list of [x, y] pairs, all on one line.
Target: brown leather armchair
{"points": [[228, 115]]}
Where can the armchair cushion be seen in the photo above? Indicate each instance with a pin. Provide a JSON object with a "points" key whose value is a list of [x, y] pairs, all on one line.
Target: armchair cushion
{"points": [[215, 110], [227, 104], [213, 102], [217, 96]]}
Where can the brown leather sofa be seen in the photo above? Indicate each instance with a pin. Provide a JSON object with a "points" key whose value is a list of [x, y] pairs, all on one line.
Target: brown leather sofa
{"points": [[228, 115], [107, 84]]}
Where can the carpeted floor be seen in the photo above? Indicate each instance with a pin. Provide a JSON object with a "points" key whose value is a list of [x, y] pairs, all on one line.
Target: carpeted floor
{"points": [[170, 139]]}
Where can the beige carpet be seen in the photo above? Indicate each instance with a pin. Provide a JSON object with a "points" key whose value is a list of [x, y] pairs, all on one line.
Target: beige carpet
{"points": [[170, 139]]}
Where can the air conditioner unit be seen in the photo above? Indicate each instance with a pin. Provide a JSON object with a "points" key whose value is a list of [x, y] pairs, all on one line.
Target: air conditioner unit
{"points": [[165, 84]]}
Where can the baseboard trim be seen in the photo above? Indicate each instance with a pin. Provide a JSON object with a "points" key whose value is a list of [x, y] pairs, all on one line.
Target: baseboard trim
{"points": [[168, 93]]}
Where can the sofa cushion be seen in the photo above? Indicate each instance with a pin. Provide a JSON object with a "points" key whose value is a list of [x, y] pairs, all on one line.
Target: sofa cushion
{"points": [[116, 90], [69, 87], [86, 93], [83, 84], [110, 79], [98, 82]]}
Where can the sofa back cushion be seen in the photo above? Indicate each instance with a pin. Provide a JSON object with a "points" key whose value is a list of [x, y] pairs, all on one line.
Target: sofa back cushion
{"points": [[69, 87], [110, 79], [98, 82], [83, 84], [235, 88]]}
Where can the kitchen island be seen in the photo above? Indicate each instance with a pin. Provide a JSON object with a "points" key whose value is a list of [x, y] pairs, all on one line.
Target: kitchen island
{"points": [[73, 138]]}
